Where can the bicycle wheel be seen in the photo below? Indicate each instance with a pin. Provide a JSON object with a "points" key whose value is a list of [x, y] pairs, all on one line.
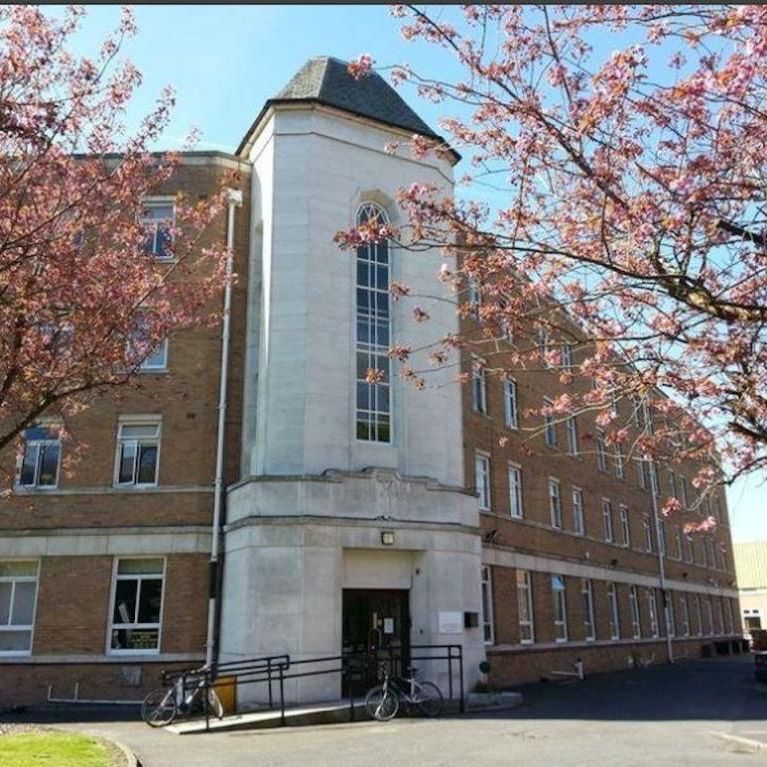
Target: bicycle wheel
{"points": [[214, 704], [159, 707], [381, 705], [428, 698]]}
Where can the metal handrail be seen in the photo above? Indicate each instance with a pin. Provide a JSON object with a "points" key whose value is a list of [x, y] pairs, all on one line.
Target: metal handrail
{"points": [[276, 669]]}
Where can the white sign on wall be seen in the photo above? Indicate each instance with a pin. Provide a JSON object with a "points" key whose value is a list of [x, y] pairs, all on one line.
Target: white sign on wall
{"points": [[450, 622]]}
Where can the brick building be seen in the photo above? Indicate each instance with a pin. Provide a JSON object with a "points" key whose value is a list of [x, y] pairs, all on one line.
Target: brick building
{"points": [[751, 569], [350, 507]]}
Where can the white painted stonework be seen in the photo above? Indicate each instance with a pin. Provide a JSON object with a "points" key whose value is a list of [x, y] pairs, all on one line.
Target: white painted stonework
{"points": [[307, 521]]}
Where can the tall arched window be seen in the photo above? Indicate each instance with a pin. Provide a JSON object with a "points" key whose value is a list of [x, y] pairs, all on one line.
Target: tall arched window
{"points": [[373, 421]]}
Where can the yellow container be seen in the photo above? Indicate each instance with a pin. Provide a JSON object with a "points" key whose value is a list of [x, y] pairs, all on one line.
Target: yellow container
{"points": [[226, 689]]}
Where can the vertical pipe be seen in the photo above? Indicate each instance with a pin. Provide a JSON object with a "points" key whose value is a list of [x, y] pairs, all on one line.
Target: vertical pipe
{"points": [[234, 201], [460, 669]]}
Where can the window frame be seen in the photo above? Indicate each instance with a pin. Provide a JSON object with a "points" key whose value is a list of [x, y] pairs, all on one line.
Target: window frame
{"points": [[158, 202], [559, 596], [515, 498], [549, 426], [579, 519], [623, 514], [377, 420], [686, 628], [589, 615], [525, 590], [607, 521], [487, 600], [601, 451], [484, 457], [613, 611], [137, 421], [652, 607], [112, 626], [571, 434], [19, 627], [635, 612], [555, 509], [478, 385], [40, 445], [511, 403]]}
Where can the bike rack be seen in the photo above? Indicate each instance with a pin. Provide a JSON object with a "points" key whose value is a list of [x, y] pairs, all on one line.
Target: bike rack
{"points": [[275, 670]]}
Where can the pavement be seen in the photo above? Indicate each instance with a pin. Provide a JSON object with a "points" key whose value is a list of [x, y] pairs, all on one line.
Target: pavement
{"points": [[702, 713]]}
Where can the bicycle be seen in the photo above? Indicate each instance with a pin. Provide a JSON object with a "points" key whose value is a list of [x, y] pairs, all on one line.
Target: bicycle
{"points": [[383, 701], [163, 704]]}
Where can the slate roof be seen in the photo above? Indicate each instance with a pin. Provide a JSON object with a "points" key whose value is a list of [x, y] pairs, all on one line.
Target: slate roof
{"points": [[326, 80]]}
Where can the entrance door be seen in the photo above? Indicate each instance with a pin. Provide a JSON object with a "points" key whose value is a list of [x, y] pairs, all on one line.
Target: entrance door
{"points": [[376, 624]]}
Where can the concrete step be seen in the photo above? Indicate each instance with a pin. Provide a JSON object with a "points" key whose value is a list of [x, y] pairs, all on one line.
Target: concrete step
{"points": [[490, 701], [319, 713]]}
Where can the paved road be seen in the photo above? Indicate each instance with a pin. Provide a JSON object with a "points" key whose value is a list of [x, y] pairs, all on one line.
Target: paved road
{"points": [[701, 713]]}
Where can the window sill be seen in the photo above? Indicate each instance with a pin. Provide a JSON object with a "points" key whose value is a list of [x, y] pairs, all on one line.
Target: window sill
{"points": [[131, 653], [34, 489], [152, 371], [135, 488]]}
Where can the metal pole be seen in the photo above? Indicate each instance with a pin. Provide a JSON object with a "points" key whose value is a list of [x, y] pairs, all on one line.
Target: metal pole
{"points": [[282, 698], [234, 201], [207, 701], [460, 670]]}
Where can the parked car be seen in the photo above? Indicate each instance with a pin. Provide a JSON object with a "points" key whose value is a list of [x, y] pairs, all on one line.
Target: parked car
{"points": [[760, 666]]}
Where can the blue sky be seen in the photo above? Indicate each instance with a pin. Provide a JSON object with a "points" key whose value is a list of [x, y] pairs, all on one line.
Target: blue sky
{"points": [[225, 61]]}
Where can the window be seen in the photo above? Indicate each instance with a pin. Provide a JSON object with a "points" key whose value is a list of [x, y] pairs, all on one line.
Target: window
{"points": [[719, 615], [636, 624], [478, 386], [683, 490], [613, 613], [618, 462], [510, 403], [560, 607], [679, 543], [157, 217], [487, 606], [686, 548], [475, 298], [662, 536], [138, 447], [18, 597], [652, 610], [710, 559], [636, 411], [578, 521], [642, 473], [543, 345], [728, 615], [685, 615], [670, 613], [550, 427], [672, 483], [647, 533], [567, 355], [717, 509], [138, 348], [587, 592], [709, 615], [607, 518], [698, 613], [373, 411], [555, 503], [525, 606], [482, 480], [137, 593], [601, 451], [42, 451], [515, 491], [571, 426], [625, 527]]}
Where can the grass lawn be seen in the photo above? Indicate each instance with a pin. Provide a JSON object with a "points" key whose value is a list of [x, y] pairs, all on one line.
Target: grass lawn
{"points": [[54, 749]]}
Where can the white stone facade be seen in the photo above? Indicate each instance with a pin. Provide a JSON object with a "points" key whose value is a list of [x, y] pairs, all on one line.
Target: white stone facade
{"points": [[306, 521]]}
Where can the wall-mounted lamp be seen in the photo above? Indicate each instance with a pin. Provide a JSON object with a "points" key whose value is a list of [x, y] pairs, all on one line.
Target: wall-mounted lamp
{"points": [[387, 537]]}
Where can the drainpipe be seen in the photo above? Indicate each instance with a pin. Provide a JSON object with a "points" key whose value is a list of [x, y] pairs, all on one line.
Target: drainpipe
{"points": [[655, 491], [234, 201]]}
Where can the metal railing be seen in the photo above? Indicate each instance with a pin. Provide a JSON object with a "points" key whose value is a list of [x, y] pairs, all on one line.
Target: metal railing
{"points": [[273, 671]]}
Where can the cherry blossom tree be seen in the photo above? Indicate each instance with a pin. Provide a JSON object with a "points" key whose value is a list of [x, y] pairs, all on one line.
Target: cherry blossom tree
{"points": [[615, 199], [82, 301]]}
